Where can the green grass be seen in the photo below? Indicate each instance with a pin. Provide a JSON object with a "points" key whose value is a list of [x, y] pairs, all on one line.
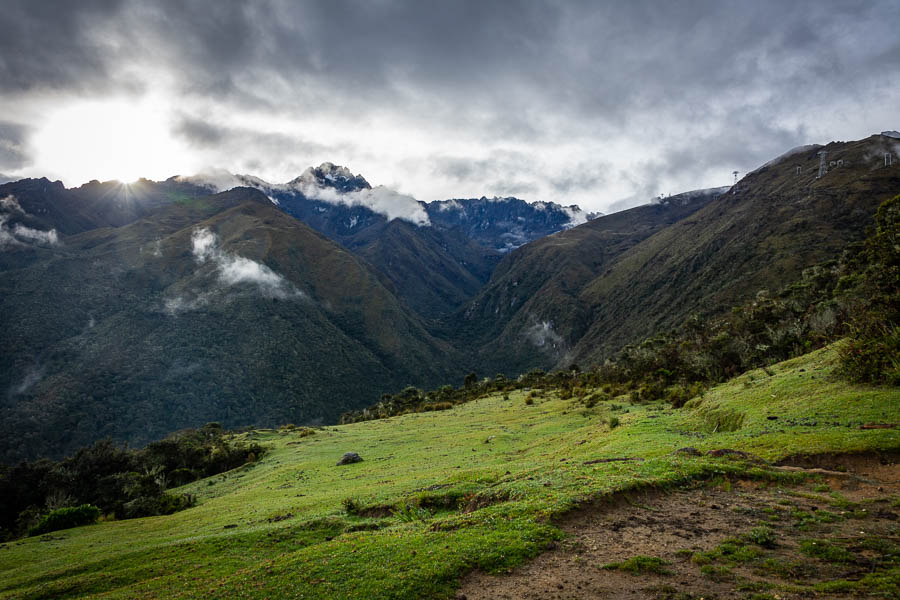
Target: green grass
{"points": [[824, 550], [640, 564], [431, 500]]}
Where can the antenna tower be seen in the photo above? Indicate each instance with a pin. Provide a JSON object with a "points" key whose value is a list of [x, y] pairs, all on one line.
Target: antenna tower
{"points": [[823, 166], [735, 173]]}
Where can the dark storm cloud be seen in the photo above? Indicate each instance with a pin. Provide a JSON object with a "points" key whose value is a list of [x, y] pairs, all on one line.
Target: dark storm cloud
{"points": [[13, 151], [204, 134], [695, 86], [499, 164], [56, 45]]}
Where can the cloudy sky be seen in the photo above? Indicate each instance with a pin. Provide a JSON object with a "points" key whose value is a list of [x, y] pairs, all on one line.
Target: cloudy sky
{"points": [[604, 104]]}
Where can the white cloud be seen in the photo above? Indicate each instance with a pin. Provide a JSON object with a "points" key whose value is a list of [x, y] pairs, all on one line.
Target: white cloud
{"points": [[234, 269], [217, 180], [9, 204], [43, 238], [18, 234], [32, 376], [380, 199], [180, 304], [542, 335], [237, 269]]}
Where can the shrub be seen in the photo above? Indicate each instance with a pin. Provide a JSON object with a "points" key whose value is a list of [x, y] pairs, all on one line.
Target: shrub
{"points": [[871, 355], [352, 506], [64, 518], [180, 477], [762, 536], [678, 395], [613, 422]]}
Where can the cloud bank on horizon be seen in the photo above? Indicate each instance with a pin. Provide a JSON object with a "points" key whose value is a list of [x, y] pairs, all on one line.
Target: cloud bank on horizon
{"points": [[603, 104]]}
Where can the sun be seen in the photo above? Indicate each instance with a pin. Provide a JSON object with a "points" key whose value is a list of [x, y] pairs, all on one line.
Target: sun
{"points": [[112, 139]]}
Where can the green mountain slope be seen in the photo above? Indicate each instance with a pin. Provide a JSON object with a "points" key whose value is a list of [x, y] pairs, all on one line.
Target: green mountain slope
{"points": [[773, 225], [210, 308], [434, 271], [531, 311], [441, 494], [580, 295]]}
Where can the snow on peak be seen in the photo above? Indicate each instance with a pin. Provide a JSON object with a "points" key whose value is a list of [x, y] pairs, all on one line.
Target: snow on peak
{"points": [[327, 183], [331, 175], [891, 134], [576, 216]]}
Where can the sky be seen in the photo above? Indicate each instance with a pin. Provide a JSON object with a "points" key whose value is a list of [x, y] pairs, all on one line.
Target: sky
{"points": [[601, 104]]}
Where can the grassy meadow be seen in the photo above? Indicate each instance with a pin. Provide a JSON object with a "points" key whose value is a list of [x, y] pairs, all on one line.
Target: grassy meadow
{"points": [[441, 493]]}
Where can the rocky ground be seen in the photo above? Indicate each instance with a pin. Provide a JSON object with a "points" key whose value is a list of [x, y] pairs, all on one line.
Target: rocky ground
{"points": [[835, 535]]}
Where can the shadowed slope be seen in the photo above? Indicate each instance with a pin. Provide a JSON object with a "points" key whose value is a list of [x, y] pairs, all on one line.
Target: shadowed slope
{"points": [[221, 308]]}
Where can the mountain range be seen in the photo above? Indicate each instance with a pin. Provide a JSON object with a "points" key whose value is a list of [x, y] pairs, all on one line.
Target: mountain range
{"points": [[132, 310]]}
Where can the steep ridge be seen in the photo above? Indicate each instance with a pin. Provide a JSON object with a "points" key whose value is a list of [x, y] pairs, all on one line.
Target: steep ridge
{"points": [[580, 295], [530, 312], [211, 308], [435, 255], [777, 221], [49, 205]]}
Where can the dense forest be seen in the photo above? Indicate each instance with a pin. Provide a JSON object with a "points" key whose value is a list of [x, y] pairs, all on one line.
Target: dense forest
{"points": [[106, 479]]}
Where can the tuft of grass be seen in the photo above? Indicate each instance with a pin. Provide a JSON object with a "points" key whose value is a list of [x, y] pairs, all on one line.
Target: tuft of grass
{"points": [[641, 564], [783, 569], [717, 572], [722, 420], [826, 551], [409, 513], [351, 506], [882, 584]]}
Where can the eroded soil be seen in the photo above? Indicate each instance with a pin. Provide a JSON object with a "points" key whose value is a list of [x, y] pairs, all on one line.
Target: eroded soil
{"points": [[835, 537]]}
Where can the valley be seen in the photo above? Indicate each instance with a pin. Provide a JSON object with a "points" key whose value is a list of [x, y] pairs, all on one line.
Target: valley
{"points": [[318, 296]]}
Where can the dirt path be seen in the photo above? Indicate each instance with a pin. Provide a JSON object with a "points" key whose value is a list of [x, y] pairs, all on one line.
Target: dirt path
{"points": [[843, 527]]}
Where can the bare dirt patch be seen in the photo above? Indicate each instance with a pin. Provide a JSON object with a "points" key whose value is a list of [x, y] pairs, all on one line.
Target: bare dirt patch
{"points": [[842, 527]]}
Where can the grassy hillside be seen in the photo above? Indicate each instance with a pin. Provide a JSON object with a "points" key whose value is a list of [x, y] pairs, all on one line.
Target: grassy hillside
{"points": [[439, 494]]}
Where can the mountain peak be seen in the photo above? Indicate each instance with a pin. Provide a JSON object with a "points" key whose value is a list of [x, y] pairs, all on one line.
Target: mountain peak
{"points": [[334, 176]]}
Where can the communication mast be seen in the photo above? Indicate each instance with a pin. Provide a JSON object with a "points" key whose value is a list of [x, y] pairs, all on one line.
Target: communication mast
{"points": [[823, 166], [735, 173]]}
